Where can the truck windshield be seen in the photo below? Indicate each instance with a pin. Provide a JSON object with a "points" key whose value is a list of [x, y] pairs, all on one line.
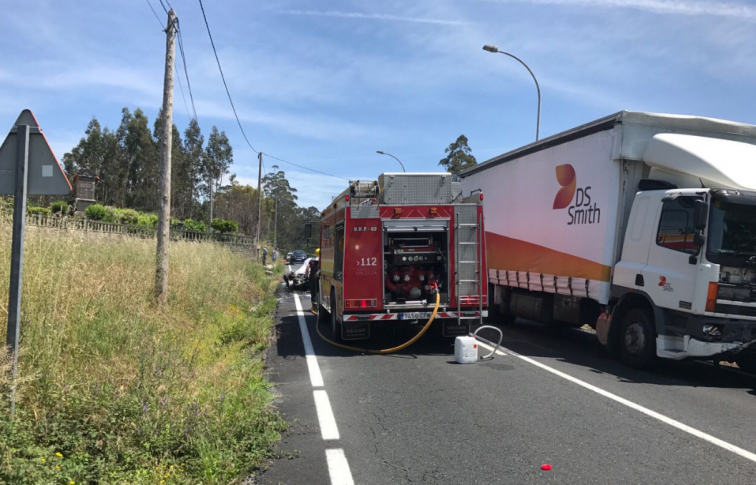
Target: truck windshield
{"points": [[732, 231]]}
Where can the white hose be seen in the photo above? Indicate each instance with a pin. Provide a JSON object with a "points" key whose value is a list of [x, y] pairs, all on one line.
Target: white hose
{"points": [[501, 337]]}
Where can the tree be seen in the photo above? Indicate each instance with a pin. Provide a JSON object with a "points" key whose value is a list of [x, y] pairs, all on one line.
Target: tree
{"points": [[194, 160], [458, 156], [217, 161]]}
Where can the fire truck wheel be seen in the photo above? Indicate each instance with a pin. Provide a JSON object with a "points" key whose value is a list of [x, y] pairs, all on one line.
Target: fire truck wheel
{"points": [[335, 325]]}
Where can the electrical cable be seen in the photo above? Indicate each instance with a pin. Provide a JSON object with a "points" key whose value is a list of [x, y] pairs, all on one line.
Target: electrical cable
{"points": [[178, 76], [163, 5], [233, 108], [156, 15], [393, 349], [186, 71], [223, 77]]}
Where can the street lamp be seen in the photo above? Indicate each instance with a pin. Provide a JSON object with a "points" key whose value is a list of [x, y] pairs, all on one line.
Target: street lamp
{"points": [[379, 152], [494, 49]]}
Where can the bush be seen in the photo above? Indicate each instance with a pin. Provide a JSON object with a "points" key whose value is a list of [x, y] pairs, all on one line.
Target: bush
{"points": [[128, 216], [222, 225], [150, 220], [42, 211], [60, 207], [194, 226], [96, 212]]}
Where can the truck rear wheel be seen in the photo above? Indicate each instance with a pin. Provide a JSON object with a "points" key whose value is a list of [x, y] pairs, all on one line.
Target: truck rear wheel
{"points": [[747, 362], [637, 339], [335, 325]]}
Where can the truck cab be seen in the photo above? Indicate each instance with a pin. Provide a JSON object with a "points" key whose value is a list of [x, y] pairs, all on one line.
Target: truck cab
{"points": [[686, 283]]}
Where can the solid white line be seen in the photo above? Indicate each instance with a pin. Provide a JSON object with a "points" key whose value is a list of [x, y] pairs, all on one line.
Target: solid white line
{"points": [[312, 362], [677, 424], [327, 421], [338, 467]]}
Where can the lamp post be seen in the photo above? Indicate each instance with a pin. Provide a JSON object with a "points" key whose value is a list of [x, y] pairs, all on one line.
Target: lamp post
{"points": [[494, 49], [379, 152]]}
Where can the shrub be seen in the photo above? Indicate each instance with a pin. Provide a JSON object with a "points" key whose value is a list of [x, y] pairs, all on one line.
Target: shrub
{"points": [[96, 212], [222, 225], [129, 216], [147, 220], [60, 207], [195, 226], [43, 211]]}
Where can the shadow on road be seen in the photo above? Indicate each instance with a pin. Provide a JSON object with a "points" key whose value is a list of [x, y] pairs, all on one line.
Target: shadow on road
{"points": [[582, 348]]}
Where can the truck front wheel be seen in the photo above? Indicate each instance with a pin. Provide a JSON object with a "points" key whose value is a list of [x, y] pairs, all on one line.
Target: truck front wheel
{"points": [[637, 339], [335, 325]]}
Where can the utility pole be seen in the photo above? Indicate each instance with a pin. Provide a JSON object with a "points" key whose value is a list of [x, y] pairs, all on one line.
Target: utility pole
{"points": [[166, 142], [259, 203], [275, 225]]}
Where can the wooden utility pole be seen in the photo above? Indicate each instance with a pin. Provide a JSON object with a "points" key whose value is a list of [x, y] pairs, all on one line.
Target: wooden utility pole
{"points": [[166, 142], [259, 203]]}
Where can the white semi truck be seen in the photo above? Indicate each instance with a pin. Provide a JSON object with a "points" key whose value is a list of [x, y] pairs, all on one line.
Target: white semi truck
{"points": [[641, 225]]}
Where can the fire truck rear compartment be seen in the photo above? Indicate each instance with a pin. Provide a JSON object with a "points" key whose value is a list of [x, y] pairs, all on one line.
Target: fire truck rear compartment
{"points": [[413, 263]]}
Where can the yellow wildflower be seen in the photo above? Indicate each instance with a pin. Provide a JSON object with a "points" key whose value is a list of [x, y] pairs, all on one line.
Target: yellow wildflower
{"points": [[59, 454], [57, 467], [42, 460]]}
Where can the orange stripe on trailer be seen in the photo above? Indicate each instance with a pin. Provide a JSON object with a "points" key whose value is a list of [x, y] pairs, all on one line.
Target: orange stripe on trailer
{"points": [[509, 254]]}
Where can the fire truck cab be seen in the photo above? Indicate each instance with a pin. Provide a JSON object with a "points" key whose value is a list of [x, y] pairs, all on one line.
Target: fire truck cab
{"points": [[386, 244]]}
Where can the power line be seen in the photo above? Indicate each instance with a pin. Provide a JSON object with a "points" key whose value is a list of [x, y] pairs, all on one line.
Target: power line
{"points": [[156, 15], [306, 168], [212, 43], [186, 71], [163, 5], [178, 76]]}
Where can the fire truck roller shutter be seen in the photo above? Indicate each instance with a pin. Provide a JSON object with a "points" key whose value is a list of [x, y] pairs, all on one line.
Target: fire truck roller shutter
{"points": [[416, 225]]}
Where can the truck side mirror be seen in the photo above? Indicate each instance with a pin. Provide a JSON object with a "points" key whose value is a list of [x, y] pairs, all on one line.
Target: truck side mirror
{"points": [[308, 230], [700, 214]]}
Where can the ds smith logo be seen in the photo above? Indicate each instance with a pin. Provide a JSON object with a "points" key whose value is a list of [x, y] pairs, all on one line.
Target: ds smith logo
{"points": [[581, 212]]}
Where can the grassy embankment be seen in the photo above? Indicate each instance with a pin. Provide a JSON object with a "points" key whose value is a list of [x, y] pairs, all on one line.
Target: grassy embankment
{"points": [[115, 390]]}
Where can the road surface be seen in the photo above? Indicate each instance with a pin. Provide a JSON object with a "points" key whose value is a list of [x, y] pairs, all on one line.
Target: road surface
{"points": [[554, 398]]}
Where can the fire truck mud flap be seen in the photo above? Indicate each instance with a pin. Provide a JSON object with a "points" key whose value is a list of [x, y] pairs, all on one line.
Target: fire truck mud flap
{"points": [[452, 329], [355, 330]]}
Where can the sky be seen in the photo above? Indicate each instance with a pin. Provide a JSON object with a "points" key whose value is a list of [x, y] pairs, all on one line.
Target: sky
{"points": [[326, 84]]}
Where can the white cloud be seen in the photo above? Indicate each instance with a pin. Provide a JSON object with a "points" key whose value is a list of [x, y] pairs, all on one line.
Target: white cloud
{"points": [[674, 7], [371, 16]]}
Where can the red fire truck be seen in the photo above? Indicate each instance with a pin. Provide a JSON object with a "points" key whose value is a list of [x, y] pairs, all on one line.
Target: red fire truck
{"points": [[386, 244]]}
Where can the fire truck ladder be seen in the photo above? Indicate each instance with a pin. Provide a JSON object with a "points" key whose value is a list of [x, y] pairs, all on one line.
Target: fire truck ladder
{"points": [[468, 239]]}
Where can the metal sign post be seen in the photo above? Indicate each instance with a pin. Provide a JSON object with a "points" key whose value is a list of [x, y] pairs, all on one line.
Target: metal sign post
{"points": [[17, 252], [27, 167]]}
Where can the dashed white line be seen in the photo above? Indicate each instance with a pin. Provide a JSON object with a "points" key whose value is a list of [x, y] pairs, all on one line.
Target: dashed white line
{"points": [[327, 421], [338, 467], [312, 362]]}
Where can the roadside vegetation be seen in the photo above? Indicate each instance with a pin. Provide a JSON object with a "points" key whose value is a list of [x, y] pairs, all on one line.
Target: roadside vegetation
{"points": [[115, 390]]}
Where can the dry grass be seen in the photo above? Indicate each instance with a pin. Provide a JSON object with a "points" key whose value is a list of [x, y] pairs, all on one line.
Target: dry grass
{"points": [[125, 387]]}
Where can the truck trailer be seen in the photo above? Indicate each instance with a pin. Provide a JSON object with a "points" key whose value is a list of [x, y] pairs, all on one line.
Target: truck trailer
{"points": [[386, 245], [641, 225]]}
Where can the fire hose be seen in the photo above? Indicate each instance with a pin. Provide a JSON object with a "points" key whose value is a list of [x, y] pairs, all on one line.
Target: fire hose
{"points": [[393, 349]]}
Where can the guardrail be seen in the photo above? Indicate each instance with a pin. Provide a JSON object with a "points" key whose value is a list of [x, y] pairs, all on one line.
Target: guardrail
{"points": [[238, 242]]}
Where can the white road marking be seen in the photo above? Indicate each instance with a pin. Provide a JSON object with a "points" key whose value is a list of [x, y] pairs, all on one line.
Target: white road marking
{"points": [[327, 421], [338, 467], [653, 414], [312, 362]]}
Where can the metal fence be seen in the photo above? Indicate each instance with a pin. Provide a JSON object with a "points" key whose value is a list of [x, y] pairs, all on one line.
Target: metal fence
{"points": [[237, 242]]}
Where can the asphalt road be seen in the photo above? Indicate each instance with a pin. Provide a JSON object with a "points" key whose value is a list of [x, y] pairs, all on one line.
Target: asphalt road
{"points": [[555, 398]]}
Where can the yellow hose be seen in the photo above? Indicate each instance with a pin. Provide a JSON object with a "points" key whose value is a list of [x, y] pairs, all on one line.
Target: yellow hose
{"points": [[393, 349]]}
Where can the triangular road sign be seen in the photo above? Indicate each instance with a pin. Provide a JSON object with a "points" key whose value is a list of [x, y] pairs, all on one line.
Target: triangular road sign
{"points": [[46, 176]]}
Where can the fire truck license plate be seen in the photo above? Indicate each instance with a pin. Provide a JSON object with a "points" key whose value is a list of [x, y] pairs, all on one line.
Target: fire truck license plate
{"points": [[414, 315]]}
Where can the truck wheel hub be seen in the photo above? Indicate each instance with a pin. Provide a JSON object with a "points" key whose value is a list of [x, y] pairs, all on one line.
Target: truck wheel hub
{"points": [[635, 338]]}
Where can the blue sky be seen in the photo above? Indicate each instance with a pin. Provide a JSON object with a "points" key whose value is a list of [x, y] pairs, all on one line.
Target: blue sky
{"points": [[326, 84]]}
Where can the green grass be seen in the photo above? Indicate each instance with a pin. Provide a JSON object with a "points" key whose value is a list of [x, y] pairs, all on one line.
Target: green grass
{"points": [[116, 390]]}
